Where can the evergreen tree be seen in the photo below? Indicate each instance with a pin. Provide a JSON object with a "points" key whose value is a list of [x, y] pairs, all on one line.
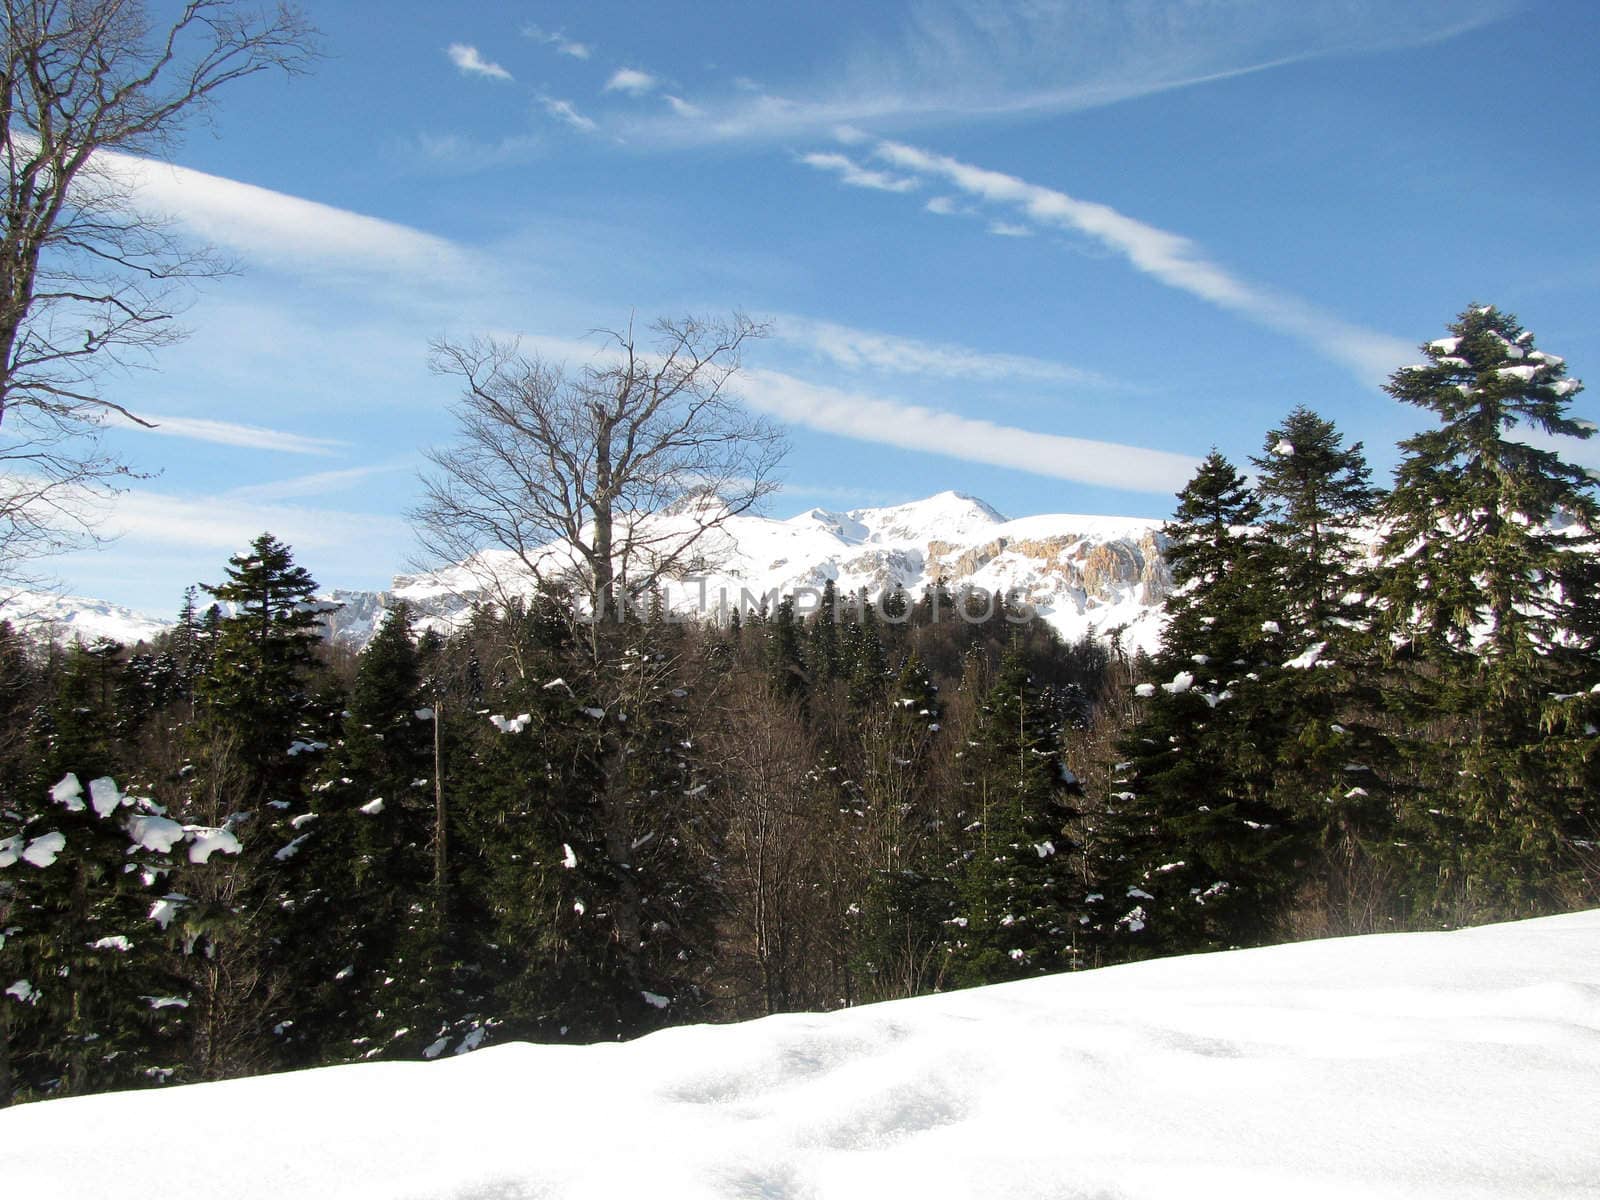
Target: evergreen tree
{"points": [[256, 687], [1491, 596], [1017, 903], [1193, 851], [1319, 670]]}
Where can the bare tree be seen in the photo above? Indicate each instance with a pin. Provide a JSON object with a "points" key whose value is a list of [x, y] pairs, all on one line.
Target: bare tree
{"points": [[88, 279], [628, 464]]}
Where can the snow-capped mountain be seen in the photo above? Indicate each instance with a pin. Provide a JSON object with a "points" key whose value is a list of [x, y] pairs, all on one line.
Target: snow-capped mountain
{"points": [[75, 618], [1083, 574]]}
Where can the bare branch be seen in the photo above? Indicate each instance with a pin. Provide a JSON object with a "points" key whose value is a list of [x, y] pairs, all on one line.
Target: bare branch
{"points": [[87, 280], [607, 480]]}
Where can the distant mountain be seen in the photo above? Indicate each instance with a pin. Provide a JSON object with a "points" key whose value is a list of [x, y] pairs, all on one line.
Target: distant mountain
{"points": [[74, 618], [1085, 575]]}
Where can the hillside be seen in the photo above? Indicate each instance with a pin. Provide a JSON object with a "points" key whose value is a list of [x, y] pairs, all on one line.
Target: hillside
{"points": [[1454, 1065]]}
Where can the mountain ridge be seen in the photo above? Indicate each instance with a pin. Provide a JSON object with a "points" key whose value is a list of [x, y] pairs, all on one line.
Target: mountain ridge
{"points": [[1086, 575]]}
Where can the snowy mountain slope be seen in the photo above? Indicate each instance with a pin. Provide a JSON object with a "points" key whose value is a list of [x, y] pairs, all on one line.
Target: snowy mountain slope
{"points": [[74, 618], [1084, 574], [1459, 1065]]}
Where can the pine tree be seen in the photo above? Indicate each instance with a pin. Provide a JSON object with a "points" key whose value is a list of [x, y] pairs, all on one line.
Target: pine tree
{"points": [[256, 688], [1017, 903], [1491, 596], [1319, 670], [1193, 852]]}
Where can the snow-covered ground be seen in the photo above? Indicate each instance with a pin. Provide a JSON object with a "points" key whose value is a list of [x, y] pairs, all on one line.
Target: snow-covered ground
{"points": [[1409, 1065]]}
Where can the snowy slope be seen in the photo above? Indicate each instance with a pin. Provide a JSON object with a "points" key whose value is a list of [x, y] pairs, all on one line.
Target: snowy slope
{"points": [[1084, 574], [74, 618], [1459, 1065]]}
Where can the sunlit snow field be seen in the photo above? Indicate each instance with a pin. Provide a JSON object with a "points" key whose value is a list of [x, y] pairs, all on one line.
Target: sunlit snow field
{"points": [[1454, 1065]]}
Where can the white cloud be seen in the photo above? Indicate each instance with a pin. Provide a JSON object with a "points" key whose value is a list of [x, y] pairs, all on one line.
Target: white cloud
{"points": [[635, 83], [1168, 257], [227, 433], [966, 60], [913, 427], [855, 175], [683, 108], [321, 483], [945, 206], [465, 153], [221, 523], [859, 349], [471, 62], [563, 110], [275, 229], [561, 43], [1007, 229]]}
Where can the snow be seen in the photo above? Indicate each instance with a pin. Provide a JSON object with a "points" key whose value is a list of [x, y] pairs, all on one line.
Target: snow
{"points": [[1308, 659], [69, 793], [1285, 448], [569, 859], [78, 619], [1447, 345], [116, 942], [423, 714], [598, 714], [42, 851], [1565, 387], [164, 909], [1145, 690], [22, 991], [514, 725], [373, 807], [152, 832], [211, 841], [104, 797], [1181, 682], [1524, 373], [1406, 1066]]}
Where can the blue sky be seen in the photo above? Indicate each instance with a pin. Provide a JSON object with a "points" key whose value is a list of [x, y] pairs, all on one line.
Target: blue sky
{"points": [[1045, 253]]}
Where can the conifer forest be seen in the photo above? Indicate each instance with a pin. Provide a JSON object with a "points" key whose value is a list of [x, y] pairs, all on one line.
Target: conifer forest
{"points": [[240, 848]]}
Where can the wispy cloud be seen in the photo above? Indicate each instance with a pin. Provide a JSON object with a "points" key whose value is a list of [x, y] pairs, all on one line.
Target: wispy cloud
{"points": [[470, 62], [274, 229], [634, 83], [852, 173], [1009, 229], [459, 152], [683, 108], [226, 524], [970, 59], [227, 433], [1168, 257], [914, 427], [860, 349], [322, 483], [561, 43], [562, 110]]}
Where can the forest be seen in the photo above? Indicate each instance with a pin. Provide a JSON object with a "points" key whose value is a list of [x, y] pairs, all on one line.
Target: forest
{"points": [[241, 848]]}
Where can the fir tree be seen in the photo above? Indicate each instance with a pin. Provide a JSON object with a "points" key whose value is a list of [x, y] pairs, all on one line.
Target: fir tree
{"points": [[1017, 904], [1491, 596], [1193, 852]]}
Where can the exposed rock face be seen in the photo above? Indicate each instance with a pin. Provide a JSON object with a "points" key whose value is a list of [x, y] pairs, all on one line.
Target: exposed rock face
{"points": [[1085, 575]]}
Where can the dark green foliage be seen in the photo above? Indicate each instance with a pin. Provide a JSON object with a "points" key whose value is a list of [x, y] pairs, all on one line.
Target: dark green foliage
{"points": [[1195, 851], [1491, 596], [1017, 903]]}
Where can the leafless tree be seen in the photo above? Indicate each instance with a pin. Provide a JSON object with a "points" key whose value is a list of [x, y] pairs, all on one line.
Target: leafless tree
{"points": [[630, 463], [88, 278]]}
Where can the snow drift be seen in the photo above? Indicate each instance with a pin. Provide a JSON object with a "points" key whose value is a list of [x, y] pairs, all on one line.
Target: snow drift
{"points": [[1461, 1064]]}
